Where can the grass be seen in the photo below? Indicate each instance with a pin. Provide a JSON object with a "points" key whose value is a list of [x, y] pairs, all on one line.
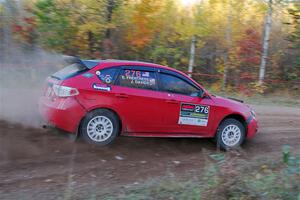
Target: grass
{"points": [[292, 101], [284, 99], [226, 177]]}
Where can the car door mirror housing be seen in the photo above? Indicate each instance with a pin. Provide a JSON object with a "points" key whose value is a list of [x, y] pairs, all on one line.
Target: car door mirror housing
{"points": [[202, 94]]}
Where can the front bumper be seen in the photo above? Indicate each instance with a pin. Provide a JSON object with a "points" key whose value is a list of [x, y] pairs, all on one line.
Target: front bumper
{"points": [[63, 113], [252, 127]]}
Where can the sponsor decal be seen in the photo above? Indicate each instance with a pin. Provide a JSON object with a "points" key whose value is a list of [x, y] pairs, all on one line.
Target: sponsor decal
{"points": [[98, 73], [88, 75], [145, 74], [188, 107], [102, 87], [152, 81], [139, 78], [132, 73], [107, 79], [193, 114]]}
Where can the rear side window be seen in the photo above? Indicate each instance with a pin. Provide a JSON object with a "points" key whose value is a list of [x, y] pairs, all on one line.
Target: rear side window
{"points": [[107, 75], [137, 79], [173, 84], [70, 71]]}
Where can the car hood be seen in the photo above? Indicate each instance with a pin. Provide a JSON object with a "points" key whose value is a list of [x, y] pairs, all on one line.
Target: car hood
{"points": [[231, 103]]}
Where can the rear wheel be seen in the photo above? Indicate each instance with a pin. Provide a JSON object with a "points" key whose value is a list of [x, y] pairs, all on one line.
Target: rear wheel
{"points": [[230, 134], [100, 127]]}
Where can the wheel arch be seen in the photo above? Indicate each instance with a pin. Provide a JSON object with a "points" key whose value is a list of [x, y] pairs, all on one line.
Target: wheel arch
{"points": [[99, 108], [236, 116]]}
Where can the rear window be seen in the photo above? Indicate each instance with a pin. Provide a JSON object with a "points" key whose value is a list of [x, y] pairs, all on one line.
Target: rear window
{"points": [[70, 71], [107, 75]]}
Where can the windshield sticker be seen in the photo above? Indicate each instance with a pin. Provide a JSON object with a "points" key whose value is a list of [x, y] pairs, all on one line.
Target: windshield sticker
{"points": [[145, 74], [88, 75], [102, 87], [193, 114], [139, 77], [98, 73], [107, 78], [132, 73]]}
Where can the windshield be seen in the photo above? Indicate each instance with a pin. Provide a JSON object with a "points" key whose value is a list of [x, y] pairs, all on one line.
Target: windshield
{"points": [[69, 71]]}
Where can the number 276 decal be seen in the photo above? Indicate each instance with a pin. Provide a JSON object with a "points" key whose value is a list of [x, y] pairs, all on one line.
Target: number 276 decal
{"points": [[193, 114], [201, 109]]}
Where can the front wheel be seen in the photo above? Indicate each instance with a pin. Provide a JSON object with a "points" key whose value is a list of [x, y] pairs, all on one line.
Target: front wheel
{"points": [[100, 127], [230, 134]]}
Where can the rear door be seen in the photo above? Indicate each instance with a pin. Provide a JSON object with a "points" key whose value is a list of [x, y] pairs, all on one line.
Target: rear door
{"points": [[139, 101], [187, 112]]}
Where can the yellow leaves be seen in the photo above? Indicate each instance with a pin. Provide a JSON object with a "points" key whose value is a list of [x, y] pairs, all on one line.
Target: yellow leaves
{"points": [[1, 8], [258, 88], [144, 24], [184, 60], [258, 176], [93, 27], [216, 87], [164, 62], [264, 167]]}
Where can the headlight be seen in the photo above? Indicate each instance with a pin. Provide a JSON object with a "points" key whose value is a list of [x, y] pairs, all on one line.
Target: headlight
{"points": [[253, 113]]}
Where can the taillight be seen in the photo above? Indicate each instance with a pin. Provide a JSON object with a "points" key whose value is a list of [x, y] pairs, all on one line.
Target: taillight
{"points": [[64, 91]]}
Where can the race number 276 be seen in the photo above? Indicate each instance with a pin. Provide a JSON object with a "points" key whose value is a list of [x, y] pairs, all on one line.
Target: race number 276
{"points": [[201, 109]]}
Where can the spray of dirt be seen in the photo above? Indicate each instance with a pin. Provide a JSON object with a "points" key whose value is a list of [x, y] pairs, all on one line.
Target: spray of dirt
{"points": [[22, 76]]}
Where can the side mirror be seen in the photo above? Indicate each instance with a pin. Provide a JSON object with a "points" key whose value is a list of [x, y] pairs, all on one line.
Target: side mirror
{"points": [[203, 94]]}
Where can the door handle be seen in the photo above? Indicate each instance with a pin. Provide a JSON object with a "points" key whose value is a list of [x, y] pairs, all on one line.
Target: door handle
{"points": [[121, 95], [172, 101]]}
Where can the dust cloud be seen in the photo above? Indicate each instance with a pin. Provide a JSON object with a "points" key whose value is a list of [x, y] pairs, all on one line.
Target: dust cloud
{"points": [[22, 76]]}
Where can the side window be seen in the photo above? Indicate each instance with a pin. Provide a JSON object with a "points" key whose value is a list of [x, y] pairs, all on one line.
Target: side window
{"points": [[107, 75], [137, 79], [173, 84]]}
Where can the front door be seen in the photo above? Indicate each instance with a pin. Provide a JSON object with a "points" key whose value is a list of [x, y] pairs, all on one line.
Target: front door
{"points": [[139, 101], [187, 113]]}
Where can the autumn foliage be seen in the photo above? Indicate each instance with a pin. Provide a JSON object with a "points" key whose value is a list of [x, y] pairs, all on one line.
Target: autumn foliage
{"points": [[228, 33]]}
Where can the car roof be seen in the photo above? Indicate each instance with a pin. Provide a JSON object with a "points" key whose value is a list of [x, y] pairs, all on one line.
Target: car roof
{"points": [[112, 62], [121, 62], [115, 63]]}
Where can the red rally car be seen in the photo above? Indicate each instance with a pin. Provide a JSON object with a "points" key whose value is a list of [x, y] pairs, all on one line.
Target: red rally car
{"points": [[101, 99]]}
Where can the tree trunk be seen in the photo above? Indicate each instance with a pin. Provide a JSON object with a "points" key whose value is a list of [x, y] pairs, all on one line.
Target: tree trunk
{"points": [[91, 42], [225, 58], [264, 57], [110, 7], [192, 56], [107, 42], [228, 46]]}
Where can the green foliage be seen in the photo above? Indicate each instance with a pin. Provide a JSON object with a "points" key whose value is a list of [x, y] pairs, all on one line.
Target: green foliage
{"points": [[167, 189], [286, 150], [53, 25], [294, 37]]}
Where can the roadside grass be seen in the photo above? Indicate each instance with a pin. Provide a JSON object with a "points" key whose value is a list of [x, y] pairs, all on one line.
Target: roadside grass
{"points": [[283, 99], [226, 176], [292, 101]]}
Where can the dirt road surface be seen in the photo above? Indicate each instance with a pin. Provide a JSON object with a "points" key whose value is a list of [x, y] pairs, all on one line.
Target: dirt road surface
{"points": [[47, 164]]}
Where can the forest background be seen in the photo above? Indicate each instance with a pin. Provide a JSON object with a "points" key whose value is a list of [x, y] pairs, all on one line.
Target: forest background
{"points": [[223, 42]]}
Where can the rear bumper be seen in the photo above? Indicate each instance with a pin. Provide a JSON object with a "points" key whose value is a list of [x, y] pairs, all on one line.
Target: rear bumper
{"points": [[252, 127], [63, 113]]}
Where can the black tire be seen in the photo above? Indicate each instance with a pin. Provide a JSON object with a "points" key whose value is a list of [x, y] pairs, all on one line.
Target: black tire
{"points": [[224, 137], [96, 124]]}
